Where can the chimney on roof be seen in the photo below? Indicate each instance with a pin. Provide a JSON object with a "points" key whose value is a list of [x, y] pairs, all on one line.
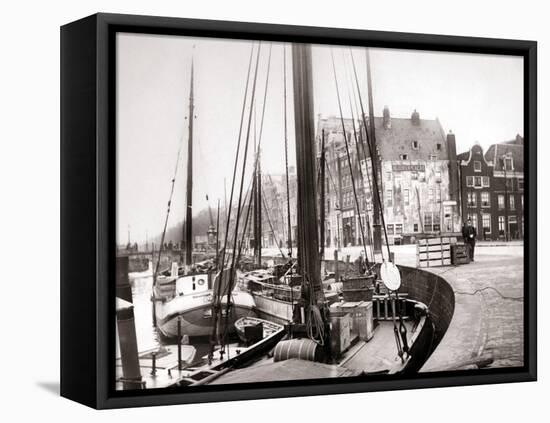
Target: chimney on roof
{"points": [[386, 118], [415, 118], [453, 167], [519, 139]]}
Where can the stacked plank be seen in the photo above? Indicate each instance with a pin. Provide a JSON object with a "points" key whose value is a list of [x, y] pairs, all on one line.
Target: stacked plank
{"points": [[433, 252]]}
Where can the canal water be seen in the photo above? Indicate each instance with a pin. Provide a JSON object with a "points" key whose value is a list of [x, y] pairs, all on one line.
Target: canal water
{"points": [[147, 335]]}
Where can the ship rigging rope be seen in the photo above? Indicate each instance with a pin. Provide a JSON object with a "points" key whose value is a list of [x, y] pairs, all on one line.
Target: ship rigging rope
{"points": [[359, 146], [371, 152], [228, 211], [245, 157], [277, 240], [229, 208], [349, 159], [168, 211]]}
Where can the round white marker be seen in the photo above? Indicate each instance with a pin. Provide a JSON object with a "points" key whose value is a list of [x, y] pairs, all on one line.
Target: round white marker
{"points": [[390, 276]]}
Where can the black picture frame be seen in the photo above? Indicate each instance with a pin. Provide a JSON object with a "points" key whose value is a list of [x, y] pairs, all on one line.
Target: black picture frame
{"points": [[88, 213]]}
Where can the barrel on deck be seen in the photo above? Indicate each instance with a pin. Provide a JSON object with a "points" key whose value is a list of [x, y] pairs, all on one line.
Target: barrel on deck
{"points": [[303, 349]]}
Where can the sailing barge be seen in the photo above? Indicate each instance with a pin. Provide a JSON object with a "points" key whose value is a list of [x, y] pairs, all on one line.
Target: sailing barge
{"points": [[373, 330]]}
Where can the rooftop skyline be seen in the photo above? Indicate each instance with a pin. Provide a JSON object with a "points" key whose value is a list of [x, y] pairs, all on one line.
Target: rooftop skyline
{"points": [[478, 97]]}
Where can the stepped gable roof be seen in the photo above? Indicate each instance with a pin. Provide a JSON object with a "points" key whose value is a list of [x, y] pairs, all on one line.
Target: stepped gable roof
{"points": [[463, 156], [497, 151]]}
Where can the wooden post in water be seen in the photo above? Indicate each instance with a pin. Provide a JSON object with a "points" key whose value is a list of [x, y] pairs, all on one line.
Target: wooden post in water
{"points": [[123, 288], [131, 371]]}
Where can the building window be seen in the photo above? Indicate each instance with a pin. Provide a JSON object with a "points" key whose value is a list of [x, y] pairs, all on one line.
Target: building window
{"points": [[438, 195], [414, 175], [415, 227], [520, 184], [433, 157], [510, 184], [472, 199], [473, 218], [512, 202], [388, 176], [438, 146], [500, 201], [438, 176], [508, 163], [406, 197], [415, 145], [430, 195], [477, 181], [486, 222], [477, 166], [522, 201], [469, 181], [403, 156], [485, 201], [485, 181], [398, 228], [431, 222], [389, 198], [501, 225], [389, 228]]}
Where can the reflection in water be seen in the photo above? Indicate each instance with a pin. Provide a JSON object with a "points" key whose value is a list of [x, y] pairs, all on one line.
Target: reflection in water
{"points": [[147, 335]]}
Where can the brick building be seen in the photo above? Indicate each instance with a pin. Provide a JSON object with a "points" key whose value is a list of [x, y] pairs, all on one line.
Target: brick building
{"points": [[508, 188], [491, 189], [476, 184], [418, 180]]}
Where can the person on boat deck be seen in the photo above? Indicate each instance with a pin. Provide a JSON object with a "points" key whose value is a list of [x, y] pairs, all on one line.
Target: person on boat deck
{"points": [[469, 234], [360, 263]]}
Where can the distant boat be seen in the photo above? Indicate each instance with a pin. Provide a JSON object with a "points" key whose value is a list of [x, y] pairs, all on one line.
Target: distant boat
{"points": [[189, 299]]}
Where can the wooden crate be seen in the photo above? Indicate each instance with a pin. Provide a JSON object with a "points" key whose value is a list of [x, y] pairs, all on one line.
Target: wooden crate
{"points": [[362, 282], [356, 295], [340, 323], [459, 254], [433, 252]]}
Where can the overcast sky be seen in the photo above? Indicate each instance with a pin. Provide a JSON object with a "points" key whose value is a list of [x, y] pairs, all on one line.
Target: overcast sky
{"points": [[478, 97]]}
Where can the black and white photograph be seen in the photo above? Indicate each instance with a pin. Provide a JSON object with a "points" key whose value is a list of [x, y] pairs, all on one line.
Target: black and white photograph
{"points": [[290, 211]]}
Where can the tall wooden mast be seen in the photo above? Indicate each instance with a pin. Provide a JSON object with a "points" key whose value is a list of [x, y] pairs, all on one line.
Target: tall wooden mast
{"points": [[377, 232], [322, 164], [308, 234], [188, 228]]}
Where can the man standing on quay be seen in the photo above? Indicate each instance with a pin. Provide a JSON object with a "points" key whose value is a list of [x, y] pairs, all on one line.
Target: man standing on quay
{"points": [[469, 234]]}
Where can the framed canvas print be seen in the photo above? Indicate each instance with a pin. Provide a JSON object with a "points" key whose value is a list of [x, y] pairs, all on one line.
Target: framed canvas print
{"points": [[254, 211]]}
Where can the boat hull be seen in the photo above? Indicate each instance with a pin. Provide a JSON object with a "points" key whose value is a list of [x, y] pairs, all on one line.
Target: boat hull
{"points": [[195, 313]]}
